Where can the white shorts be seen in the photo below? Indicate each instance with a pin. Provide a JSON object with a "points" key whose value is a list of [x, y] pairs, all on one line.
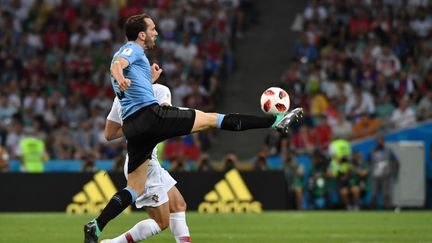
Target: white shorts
{"points": [[158, 183]]}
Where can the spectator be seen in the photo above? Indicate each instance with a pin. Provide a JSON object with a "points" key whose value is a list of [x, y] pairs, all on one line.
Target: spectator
{"points": [[359, 177], [295, 180], [14, 136], [261, 162], [388, 63], [304, 141], [360, 102], [324, 132], [424, 109], [230, 162], [348, 185], [403, 116], [119, 163], [64, 146], [89, 163], [365, 126], [7, 110], [273, 142], [198, 99], [186, 51], [317, 184], [319, 104], [73, 113], [315, 11], [204, 164], [422, 25], [384, 169], [4, 160], [342, 128], [32, 154], [405, 86]]}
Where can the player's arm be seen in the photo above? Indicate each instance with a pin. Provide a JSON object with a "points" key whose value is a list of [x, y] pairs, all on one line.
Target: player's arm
{"points": [[117, 72], [113, 130], [113, 122], [155, 72]]}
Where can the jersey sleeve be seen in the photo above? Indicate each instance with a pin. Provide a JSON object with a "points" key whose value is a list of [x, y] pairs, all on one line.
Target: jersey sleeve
{"points": [[115, 112], [131, 53], [162, 94]]}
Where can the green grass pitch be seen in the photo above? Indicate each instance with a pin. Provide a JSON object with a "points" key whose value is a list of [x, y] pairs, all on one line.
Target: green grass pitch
{"points": [[268, 227]]}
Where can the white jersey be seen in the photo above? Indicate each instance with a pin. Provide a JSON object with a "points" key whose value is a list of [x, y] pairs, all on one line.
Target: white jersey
{"points": [[162, 94]]}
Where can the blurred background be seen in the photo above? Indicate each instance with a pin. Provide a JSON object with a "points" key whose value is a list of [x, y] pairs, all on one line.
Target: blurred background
{"points": [[361, 69]]}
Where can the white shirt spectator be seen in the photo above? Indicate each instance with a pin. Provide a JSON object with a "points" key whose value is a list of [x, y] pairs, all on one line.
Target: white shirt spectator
{"points": [[7, 110], [168, 45], [421, 27], [34, 40], [99, 35], [365, 104], [403, 118], [332, 91], [341, 128], [424, 109], [167, 25], [388, 64], [191, 23], [186, 52], [35, 103], [310, 11]]}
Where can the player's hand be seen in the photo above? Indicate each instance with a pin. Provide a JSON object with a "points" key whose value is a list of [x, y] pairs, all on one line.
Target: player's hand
{"points": [[124, 84], [156, 72]]}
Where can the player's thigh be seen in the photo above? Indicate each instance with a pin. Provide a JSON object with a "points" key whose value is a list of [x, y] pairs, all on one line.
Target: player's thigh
{"points": [[138, 177], [204, 121], [176, 201], [160, 214]]}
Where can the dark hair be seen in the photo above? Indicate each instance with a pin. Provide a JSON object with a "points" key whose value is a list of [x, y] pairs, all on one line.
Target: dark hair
{"points": [[135, 24]]}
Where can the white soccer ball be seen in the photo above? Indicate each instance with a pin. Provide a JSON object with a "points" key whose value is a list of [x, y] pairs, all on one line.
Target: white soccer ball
{"points": [[275, 100]]}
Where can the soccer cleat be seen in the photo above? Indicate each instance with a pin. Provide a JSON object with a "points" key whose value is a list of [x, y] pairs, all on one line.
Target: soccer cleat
{"points": [[105, 241], [91, 232], [284, 120]]}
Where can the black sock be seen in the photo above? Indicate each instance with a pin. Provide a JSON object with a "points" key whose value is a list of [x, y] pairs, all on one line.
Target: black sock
{"points": [[116, 205], [239, 122]]}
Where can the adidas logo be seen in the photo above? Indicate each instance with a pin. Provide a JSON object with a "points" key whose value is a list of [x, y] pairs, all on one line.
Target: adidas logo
{"points": [[94, 196], [230, 195]]}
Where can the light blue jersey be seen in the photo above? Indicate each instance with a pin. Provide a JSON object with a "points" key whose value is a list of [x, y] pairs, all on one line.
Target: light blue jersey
{"points": [[140, 92]]}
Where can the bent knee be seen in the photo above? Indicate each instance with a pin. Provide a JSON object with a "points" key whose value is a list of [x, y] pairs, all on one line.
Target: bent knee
{"points": [[178, 206]]}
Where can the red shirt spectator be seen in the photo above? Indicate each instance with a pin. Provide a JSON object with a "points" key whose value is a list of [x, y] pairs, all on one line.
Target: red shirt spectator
{"points": [[324, 132], [304, 141]]}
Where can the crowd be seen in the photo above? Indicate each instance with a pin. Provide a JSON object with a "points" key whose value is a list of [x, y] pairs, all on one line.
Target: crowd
{"points": [[358, 68], [55, 55]]}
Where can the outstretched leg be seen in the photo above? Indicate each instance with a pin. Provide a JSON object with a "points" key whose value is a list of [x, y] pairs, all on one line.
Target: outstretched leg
{"points": [[241, 122]]}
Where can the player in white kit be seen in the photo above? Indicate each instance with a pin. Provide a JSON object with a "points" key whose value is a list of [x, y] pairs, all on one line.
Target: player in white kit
{"points": [[161, 198]]}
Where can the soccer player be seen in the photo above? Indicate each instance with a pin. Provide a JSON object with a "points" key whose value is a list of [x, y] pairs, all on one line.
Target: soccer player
{"points": [[163, 201], [146, 123]]}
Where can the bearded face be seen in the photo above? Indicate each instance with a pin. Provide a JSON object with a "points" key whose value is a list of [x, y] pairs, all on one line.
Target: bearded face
{"points": [[150, 41]]}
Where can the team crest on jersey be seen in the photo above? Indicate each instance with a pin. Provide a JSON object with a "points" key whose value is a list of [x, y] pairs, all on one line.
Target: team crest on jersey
{"points": [[127, 51], [155, 198]]}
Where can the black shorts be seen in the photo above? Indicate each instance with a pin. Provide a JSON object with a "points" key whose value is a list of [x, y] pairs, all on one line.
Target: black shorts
{"points": [[153, 124]]}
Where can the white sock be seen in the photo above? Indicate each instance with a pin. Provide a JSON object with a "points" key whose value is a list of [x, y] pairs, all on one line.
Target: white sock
{"points": [[179, 227], [141, 231]]}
